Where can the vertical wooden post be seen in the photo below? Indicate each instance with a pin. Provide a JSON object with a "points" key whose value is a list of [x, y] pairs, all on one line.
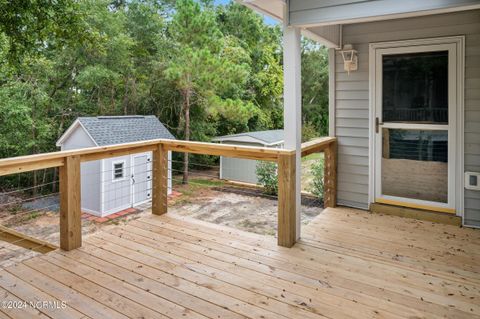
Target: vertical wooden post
{"points": [[292, 99], [330, 176], [287, 228], [70, 204], [160, 180]]}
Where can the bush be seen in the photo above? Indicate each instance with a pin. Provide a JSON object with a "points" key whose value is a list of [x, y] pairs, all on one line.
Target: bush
{"points": [[267, 177], [317, 171], [309, 132]]}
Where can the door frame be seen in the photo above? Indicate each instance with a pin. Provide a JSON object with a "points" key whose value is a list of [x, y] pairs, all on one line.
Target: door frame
{"points": [[132, 171], [455, 189]]}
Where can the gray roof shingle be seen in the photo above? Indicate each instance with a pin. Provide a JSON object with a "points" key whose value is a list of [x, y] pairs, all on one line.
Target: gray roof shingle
{"points": [[268, 137], [108, 130]]}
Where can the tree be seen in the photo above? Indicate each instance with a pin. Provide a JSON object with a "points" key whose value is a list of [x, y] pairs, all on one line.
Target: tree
{"points": [[262, 42], [204, 69], [315, 86], [27, 24], [200, 64]]}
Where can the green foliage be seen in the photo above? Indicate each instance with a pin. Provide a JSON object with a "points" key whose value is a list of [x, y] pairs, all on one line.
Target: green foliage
{"points": [[66, 58], [317, 171], [309, 132], [28, 24], [315, 86], [267, 175]]}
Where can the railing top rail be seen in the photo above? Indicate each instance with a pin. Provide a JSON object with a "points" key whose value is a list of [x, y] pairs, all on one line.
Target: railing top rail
{"points": [[248, 152], [55, 159], [317, 145]]}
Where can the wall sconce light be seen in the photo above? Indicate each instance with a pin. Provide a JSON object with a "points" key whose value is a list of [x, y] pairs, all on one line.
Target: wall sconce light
{"points": [[350, 58]]}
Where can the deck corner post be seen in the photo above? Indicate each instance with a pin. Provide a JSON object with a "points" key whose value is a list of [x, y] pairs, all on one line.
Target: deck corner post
{"points": [[330, 176], [287, 215], [292, 111], [70, 204], [160, 180]]}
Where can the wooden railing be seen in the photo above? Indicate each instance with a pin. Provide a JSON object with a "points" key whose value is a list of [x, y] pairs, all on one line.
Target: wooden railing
{"points": [[327, 145], [68, 163]]}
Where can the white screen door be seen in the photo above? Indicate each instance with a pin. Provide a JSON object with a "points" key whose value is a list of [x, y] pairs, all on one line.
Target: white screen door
{"points": [[415, 109]]}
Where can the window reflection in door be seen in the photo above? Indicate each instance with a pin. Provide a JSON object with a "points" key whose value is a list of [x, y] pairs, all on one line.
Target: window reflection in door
{"points": [[415, 87], [415, 164]]}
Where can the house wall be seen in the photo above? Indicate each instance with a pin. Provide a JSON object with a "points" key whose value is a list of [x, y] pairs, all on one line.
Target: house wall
{"points": [[90, 171], [351, 96], [307, 12]]}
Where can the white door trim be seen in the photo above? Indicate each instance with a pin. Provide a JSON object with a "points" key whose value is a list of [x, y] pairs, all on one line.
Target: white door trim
{"points": [[132, 172], [457, 114]]}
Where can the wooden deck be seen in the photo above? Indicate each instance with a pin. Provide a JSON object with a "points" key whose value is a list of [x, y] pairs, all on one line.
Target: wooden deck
{"points": [[350, 264]]}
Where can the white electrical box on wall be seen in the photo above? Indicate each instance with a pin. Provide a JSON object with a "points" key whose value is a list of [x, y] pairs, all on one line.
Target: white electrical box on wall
{"points": [[472, 181]]}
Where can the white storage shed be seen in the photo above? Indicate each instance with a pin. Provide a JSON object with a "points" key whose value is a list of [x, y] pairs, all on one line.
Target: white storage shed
{"points": [[114, 184], [244, 170]]}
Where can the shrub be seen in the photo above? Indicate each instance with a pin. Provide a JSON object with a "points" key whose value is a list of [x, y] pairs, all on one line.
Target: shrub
{"points": [[317, 186], [267, 177], [309, 132]]}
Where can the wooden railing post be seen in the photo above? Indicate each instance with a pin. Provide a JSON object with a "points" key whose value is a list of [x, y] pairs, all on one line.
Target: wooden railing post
{"points": [[160, 180], [286, 200], [70, 204], [330, 176]]}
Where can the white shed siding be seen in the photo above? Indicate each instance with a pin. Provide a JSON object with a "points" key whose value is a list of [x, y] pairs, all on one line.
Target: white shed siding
{"points": [[352, 104], [90, 187], [239, 169], [117, 195]]}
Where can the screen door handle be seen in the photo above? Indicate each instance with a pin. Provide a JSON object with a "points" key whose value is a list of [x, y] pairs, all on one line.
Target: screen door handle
{"points": [[377, 124]]}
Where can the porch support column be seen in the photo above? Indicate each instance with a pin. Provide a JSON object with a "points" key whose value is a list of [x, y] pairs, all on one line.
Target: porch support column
{"points": [[292, 113]]}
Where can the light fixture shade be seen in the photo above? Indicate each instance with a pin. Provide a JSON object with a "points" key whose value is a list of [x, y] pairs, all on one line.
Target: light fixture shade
{"points": [[348, 55], [350, 58]]}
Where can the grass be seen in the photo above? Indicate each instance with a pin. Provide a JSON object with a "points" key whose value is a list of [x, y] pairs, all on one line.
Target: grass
{"points": [[30, 216], [194, 185], [200, 182], [311, 157]]}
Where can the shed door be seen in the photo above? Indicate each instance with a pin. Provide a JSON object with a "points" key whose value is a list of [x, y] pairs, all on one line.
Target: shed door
{"points": [[141, 178], [415, 92]]}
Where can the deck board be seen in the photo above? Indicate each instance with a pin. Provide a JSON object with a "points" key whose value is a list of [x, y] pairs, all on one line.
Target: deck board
{"points": [[349, 264]]}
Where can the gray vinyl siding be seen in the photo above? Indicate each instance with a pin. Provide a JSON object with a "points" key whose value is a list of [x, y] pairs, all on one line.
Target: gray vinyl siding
{"points": [[90, 171], [304, 12], [352, 98]]}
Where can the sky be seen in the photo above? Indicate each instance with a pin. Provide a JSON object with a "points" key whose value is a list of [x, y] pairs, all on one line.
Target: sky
{"points": [[267, 19]]}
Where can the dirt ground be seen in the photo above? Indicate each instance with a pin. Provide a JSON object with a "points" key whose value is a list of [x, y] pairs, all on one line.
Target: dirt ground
{"points": [[229, 206]]}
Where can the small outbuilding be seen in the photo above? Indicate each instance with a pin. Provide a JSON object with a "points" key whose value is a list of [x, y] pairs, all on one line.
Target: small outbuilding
{"points": [[244, 170], [114, 184]]}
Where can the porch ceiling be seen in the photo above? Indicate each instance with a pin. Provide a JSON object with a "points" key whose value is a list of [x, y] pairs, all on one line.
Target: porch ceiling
{"points": [[321, 21]]}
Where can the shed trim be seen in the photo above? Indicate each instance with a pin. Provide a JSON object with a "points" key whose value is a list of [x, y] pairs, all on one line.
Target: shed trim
{"points": [[72, 129], [248, 138]]}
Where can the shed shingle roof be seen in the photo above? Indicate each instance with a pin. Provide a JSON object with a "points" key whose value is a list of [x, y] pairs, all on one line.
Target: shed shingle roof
{"points": [[108, 130], [268, 137]]}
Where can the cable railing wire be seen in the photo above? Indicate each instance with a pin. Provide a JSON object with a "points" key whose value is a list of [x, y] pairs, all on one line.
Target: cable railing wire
{"points": [[9, 192], [28, 199], [118, 193]]}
